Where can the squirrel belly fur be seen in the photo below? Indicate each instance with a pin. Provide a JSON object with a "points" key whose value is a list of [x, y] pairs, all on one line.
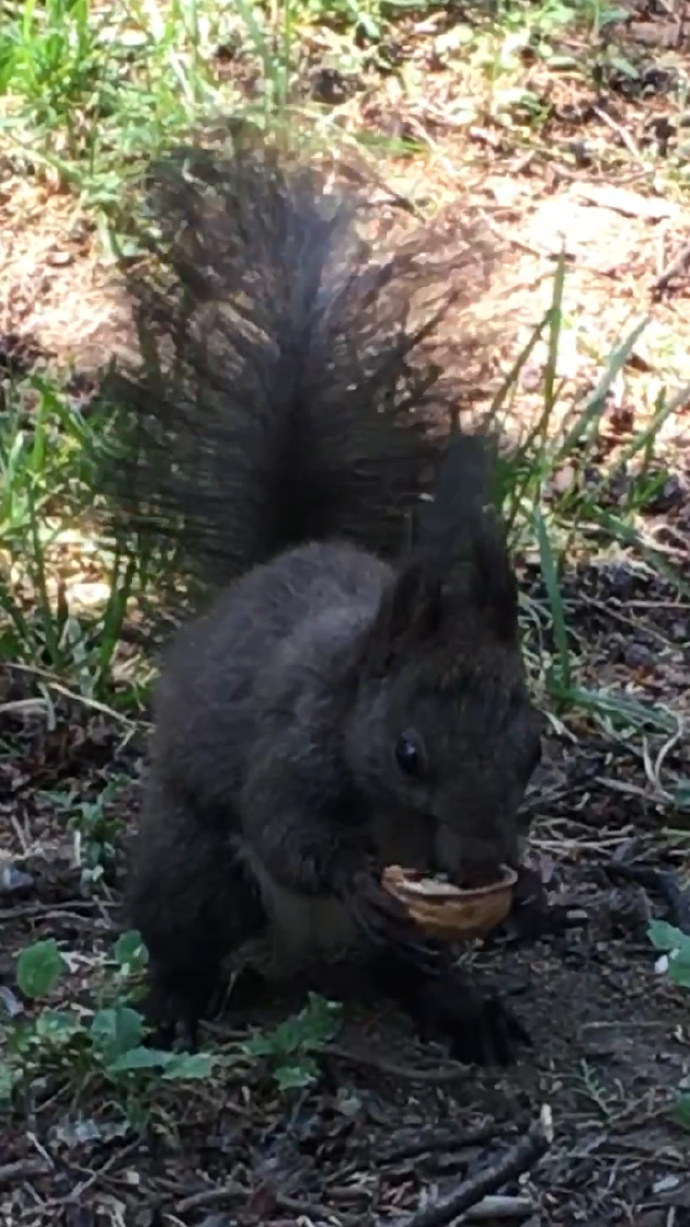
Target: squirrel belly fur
{"points": [[352, 692]]}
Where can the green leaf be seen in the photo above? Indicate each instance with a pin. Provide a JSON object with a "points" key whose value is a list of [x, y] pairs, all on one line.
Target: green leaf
{"points": [[664, 936], [259, 1045], [679, 969], [130, 952], [115, 1031], [681, 796], [624, 66], [677, 944], [57, 1026], [172, 1065], [8, 1080], [549, 570], [291, 1077], [39, 968], [138, 1058], [314, 1026], [190, 1065], [322, 1017], [682, 1111]]}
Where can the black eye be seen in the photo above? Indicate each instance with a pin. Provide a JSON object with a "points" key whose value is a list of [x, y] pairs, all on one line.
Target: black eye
{"points": [[408, 755]]}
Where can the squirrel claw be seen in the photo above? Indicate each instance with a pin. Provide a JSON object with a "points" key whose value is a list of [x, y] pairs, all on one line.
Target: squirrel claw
{"points": [[480, 1029]]}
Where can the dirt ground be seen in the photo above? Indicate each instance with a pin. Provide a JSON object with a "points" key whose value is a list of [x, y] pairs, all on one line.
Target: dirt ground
{"points": [[391, 1120], [389, 1117]]}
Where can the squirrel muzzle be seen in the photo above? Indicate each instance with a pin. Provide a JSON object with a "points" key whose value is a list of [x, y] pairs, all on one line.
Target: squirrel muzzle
{"points": [[476, 860]]}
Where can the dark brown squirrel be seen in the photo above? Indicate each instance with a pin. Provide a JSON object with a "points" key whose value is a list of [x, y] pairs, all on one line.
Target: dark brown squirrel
{"points": [[354, 694]]}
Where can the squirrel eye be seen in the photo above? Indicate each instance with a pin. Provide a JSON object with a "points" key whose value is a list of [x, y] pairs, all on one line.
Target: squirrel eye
{"points": [[407, 754]]}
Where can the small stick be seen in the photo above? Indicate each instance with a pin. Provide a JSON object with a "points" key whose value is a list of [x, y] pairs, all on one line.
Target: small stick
{"points": [[676, 265], [23, 1169], [312, 1210], [620, 131], [498, 1206], [535, 1142], [217, 1194], [442, 1138], [434, 1077], [211, 1196]]}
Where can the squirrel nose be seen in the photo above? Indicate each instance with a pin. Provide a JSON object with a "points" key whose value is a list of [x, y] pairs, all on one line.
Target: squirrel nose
{"points": [[470, 861], [478, 872]]}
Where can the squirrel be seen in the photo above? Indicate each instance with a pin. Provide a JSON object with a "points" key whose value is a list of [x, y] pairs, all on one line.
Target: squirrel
{"points": [[353, 693]]}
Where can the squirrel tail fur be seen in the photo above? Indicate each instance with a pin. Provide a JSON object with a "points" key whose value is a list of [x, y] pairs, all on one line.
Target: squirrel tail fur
{"points": [[283, 391]]}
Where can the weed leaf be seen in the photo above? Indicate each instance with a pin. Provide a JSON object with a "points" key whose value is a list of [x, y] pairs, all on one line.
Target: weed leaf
{"points": [[40, 968]]}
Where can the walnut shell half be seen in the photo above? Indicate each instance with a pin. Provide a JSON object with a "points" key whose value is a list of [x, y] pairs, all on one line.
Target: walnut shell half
{"points": [[449, 912]]}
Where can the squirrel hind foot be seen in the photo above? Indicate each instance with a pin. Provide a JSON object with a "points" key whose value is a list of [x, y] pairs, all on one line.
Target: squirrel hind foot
{"points": [[177, 1000]]}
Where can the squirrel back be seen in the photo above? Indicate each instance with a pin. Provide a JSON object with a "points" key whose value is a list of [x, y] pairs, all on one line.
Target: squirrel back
{"points": [[284, 393]]}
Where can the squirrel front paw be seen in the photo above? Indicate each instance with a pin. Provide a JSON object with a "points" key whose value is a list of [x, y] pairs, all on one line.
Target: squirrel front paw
{"points": [[480, 1029], [385, 923]]}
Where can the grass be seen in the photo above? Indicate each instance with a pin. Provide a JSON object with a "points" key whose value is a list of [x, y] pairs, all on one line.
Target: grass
{"points": [[87, 92], [44, 499], [89, 89]]}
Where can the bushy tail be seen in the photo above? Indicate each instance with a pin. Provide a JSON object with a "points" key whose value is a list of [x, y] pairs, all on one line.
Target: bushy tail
{"points": [[283, 393]]}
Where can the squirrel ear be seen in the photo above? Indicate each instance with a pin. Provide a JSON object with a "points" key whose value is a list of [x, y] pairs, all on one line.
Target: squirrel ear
{"points": [[410, 614], [492, 582], [462, 537]]}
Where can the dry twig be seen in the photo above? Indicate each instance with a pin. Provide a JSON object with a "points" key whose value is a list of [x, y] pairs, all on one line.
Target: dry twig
{"points": [[437, 1076], [677, 265], [523, 1155], [23, 1169], [401, 1147], [499, 1206]]}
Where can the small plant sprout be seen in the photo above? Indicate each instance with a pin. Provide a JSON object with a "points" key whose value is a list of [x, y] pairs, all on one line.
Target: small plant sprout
{"points": [[75, 1045], [290, 1049], [97, 827]]}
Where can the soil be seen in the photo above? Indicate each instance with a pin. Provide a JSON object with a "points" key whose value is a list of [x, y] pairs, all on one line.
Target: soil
{"points": [[389, 1117], [391, 1121]]}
